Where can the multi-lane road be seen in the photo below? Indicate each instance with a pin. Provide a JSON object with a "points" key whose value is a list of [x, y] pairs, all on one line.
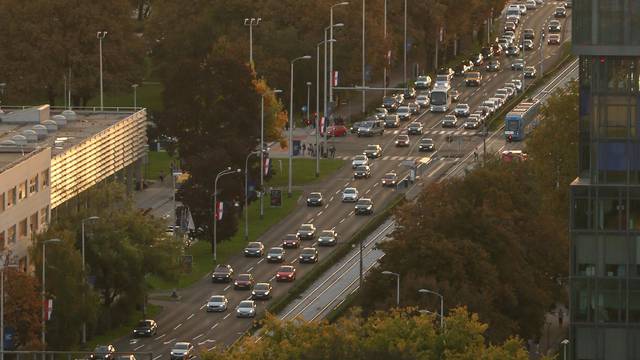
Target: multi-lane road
{"points": [[186, 320]]}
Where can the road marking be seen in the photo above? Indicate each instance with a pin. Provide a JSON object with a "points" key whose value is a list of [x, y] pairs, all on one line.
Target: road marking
{"points": [[206, 341], [190, 316], [385, 158], [368, 190], [177, 326], [433, 173], [138, 348], [310, 220], [157, 357], [376, 184], [250, 269], [203, 305], [320, 213], [211, 348], [227, 288], [333, 228], [273, 277], [341, 221], [195, 338], [294, 260], [337, 191], [351, 213], [261, 260], [226, 316], [345, 185], [160, 337], [330, 200], [326, 206], [215, 326], [170, 341]]}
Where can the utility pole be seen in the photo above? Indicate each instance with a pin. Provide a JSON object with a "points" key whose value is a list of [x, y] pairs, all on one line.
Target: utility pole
{"points": [[101, 35], [364, 91]]}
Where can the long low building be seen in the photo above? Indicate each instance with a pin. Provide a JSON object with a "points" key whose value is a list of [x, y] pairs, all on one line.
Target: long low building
{"points": [[50, 156]]}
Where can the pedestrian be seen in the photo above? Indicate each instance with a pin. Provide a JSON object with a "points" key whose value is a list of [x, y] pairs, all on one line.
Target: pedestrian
{"points": [[322, 150], [475, 155], [312, 149], [304, 148], [161, 176], [332, 151], [560, 317]]}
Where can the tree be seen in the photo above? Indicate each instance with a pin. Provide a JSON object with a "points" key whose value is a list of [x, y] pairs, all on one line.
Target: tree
{"points": [[44, 41], [22, 308], [398, 334], [485, 241]]}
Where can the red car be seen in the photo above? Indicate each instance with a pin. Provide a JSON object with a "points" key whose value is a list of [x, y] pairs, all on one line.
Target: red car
{"points": [[286, 273], [291, 241], [337, 131]]}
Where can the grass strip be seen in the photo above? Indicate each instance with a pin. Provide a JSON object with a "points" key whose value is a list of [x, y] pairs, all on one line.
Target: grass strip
{"points": [[304, 171]]}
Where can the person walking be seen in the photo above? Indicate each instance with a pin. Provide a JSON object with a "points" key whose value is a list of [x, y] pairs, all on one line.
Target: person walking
{"points": [[161, 176], [332, 151], [322, 150], [560, 317], [304, 148], [475, 155]]}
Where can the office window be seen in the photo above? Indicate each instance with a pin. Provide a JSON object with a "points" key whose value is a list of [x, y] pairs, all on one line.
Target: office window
{"points": [[583, 302], [582, 15], [581, 213], [634, 301], [11, 234], [12, 197], [634, 16], [610, 301], [609, 214], [33, 223], [610, 22], [44, 216], [22, 190], [2, 240], [2, 203], [586, 342], [586, 252], [33, 185], [44, 178], [634, 214], [615, 256], [22, 227]]}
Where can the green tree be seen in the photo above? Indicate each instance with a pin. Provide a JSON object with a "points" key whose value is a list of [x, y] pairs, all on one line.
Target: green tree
{"points": [[45, 40], [22, 307]]}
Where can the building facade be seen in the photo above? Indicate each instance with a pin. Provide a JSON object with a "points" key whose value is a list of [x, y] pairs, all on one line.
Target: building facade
{"points": [[605, 198]]}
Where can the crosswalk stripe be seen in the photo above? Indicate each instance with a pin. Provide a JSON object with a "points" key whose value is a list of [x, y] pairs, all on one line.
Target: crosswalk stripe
{"points": [[385, 157], [396, 158], [396, 132], [442, 132]]}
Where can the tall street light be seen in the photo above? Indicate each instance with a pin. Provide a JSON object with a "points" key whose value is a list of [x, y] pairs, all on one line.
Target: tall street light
{"points": [[323, 42], [90, 218], [364, 91], [305, 57], [308, 99], [564, 343], [224, 172], [326, 80], [427, 291], [135, 96], [397, 285], [387, 59], [44, 288], [251, 22], [246, 192], [2, 307], [405, 45], [275, 91], [100, 36], [344, 3]]}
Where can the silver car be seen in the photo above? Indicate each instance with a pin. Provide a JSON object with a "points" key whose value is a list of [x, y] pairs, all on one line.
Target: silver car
{"points": [[246, 309], [217, 303], [350, 194], [359, 160], [423, 100]]}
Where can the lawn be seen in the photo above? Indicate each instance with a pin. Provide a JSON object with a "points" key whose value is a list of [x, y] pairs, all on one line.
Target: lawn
{"points": [[201, 250], [149, 95], [304, 171], [159, 161]]}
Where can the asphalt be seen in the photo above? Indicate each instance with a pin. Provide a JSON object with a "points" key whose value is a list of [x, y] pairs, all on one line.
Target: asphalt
{"points": [[186, 320]]}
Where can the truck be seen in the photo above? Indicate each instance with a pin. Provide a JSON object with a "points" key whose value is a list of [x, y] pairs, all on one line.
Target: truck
{"points": [[517, 119]]}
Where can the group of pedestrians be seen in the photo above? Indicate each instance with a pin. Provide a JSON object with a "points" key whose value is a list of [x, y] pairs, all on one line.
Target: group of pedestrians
{"points": [[311, 150]]}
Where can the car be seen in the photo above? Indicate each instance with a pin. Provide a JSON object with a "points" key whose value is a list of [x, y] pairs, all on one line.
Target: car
{"points": [[423, 100], [182, 351], [399, 98], [497, 49], [336, 131], [426, 144], [222, 273], [217, 303], [246, 309], [359, 160], [493, 65], [362, 172], [404, 112], [390, 103], [391, 121], [529, 34], [554, 26], [276, 254], [103, 352], [306, 232], [560, 12], [497, 101], [527, 45], [308, 255], [523, 9], [380, 113], [286, 273], [531, 5], [473, 78], [355, 126], [446, 71], [490, 105], [390, 179], [449, 120], [472, 123], [462, 110], [568, 4], [503, 92], [373, 151], [402, 140], [254, 248], [511, 86], [478, 59], [480, 115], [517, 65], [291, 241], [529, 72], [414, 107], [510, 92], [464, 66], [503, 97], [553, 39], [509, 26], [455, 95], [518, 84], [409, 93], [514, 19], [261, 291], [328, 238], [512, 50], [350, 194], [509, 35], [487, 52], [146, 328], [485, 111], [126, 357], [504, 43], [364, 206], [243, 282], [370, 128], [415, 128], [314, 199], [422, 82]]}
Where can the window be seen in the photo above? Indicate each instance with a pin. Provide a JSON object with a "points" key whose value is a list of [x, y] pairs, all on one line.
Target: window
{"points": [[609, 214], [582, 16], [610, 303], [610, 24], [22, 190], [2, 240], [44, 216], [615, 256], [581, 213], [11, 234], [634, 301], [11, 197], [2, 203], [33, 185], [22, 227], [634, 214], [586, 340], [586, 252], [33, 223], [583, 302], [44, 178]]}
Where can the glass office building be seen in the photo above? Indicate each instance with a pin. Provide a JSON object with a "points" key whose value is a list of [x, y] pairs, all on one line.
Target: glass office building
{"points": [[605, 198]]}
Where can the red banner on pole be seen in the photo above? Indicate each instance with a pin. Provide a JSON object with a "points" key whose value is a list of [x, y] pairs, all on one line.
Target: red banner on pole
{"points": [[219, 210]]}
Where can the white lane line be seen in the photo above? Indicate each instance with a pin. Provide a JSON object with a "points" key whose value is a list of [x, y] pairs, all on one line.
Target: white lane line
{"points": [[368, 191], [351, 213], [190, 316], [227, 288], [170, 341], [273, 277], [330, 200], [250, 269], [138, 348], [209, 349], [294, 260], [226, 316], [203, 305], [385, 158], [196, 338], [261, 260], [310, 220], [345, 185], [337, 192], [326, 206], [376, 184], [177, 326], [160, 337], [341, 221], [215, 326], [320, 213], [157, 357]]}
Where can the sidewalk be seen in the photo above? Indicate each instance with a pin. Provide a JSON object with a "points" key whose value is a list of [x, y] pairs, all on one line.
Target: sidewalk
{"points": [[156, 198]]}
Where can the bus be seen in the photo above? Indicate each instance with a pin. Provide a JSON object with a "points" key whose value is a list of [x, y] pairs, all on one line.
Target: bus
{"points": [[517, 119], [440, 98]]}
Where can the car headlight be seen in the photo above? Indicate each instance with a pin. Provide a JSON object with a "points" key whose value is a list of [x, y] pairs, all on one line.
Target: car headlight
{"points": [[253, 293], [172, 353], [290, 275], [396, 141]]}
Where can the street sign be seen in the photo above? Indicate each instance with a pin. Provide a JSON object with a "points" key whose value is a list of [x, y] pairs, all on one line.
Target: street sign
{"points": [[276, 197]]}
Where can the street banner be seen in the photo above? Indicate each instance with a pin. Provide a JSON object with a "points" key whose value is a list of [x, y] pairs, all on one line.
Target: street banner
{"points": [[219, 210], [48, 309], [334, 80], [267, 166], [322, 126]]}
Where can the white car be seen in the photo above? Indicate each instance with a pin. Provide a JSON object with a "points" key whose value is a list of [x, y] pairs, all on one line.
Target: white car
{"points": [[350, 194], [182, 351], [217, 303], [497, 101], [423, 100], [462, 110], [246, 308], [359, 160]]}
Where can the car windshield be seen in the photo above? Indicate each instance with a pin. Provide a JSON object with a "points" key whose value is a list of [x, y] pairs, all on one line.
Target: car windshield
{"points": [[422, 78], [403, 109], [326, 233], [221, 268], [144, 323], [361, 168], [390, 176], [244, 277], [217, 298], [306, 227], [181, 346], [349, 191], [285, 269], [414, 125], [246, 304], [427, 141], [372, 147], [422, 97], [462, 106], [450, 118], [360, 157], [261, 286], [438, 97], [364, 202], [254, 245], [315, 195], [308, 251], [388, 100], [102, 349], [275, 251], [291, 237], [403, 137]]}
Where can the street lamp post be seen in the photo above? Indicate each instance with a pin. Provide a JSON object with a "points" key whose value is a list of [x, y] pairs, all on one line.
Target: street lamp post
{"points": [[308, 99], [100, 36], [275, 91], [397, 275], [384, 72], [564, 343], [427, 291], [251, 23], [135, 96], [305, 57], [364, 91], [44, 288], [2, 307], [344, 3], [323, 42], [226, 171], [246, 192], [405, 46], [326, 79], [90, 218]]}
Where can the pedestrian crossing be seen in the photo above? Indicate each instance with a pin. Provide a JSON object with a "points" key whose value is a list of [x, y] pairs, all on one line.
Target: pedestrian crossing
{"points": [[393, 158], [443, 132]]}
